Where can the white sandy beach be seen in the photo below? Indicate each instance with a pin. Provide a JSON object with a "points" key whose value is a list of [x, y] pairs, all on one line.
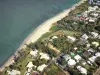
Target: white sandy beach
{"points": [[39, 31]]}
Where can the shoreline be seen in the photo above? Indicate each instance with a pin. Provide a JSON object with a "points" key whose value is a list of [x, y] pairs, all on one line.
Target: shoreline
{"points": [[40, 30]]}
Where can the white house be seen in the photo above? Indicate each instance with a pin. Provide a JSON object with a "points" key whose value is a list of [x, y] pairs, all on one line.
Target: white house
{"points": [[71, 62], [44, 56], [78, 58], [89, 62], [85, 14], [95, 7], [97, 54], [54, 37], [30, 65], [70, 38], [95, 14], [92, 8], [84, 63], [41, 67], [92, 59], [13, 72], [88, 45], [94, 34], [75, 48], [91, 50], [82, 70], [85, 36], [95, 43], [34, 53], [29, 70], [92, 19]]}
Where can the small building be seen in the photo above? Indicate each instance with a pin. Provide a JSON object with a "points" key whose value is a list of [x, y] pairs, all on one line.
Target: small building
{"points": [[13, 72], [34, 53], [92, 20], [75, 48], [88, 45], [30, 65], [94, 34], [92, 59], [78, 58], [44, 56], [89, 62], [96, 2], [95, 43], [97, 54], [82, 70], [84, 63], [92, 8], [71, 62], [41, 67], [85, 14], [91, 50], [84, 37], [94, 14], [73, 39], [54, 37]]}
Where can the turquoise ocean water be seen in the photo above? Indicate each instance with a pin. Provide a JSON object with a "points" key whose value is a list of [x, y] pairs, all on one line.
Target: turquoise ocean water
{"points": [[18, 18]]}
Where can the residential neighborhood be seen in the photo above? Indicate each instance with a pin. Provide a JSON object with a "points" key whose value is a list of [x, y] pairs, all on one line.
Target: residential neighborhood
{"points": [[72, 49]]}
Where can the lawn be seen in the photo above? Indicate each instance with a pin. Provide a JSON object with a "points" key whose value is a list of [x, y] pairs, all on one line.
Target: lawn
{"points": [[53, 70], [70, 33]]}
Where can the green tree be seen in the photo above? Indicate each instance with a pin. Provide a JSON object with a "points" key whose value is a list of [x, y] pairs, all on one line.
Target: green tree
{"points": [[97, 61]]}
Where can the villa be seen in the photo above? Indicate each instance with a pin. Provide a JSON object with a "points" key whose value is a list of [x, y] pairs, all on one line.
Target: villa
{"points": [[88, 45], [97, 54], [94, 34], [34, 53], [92, 59], [41, 67], [91, 50], [71, 62], [78, 58], [96, 2], [13, 72], [44, 56], [71, 38], [30, 65], [82, 70], [84, 37]]}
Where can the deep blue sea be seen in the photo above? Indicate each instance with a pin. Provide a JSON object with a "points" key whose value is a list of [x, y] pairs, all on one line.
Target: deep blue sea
{"points": [[18, 18]]}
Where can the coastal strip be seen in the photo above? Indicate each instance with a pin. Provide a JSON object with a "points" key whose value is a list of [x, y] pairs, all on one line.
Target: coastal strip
{"points": [[39, 31]]}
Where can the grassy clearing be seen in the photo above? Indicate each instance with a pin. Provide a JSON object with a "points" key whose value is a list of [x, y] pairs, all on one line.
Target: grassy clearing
{"points": [[70, 33], [53, 70]]}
